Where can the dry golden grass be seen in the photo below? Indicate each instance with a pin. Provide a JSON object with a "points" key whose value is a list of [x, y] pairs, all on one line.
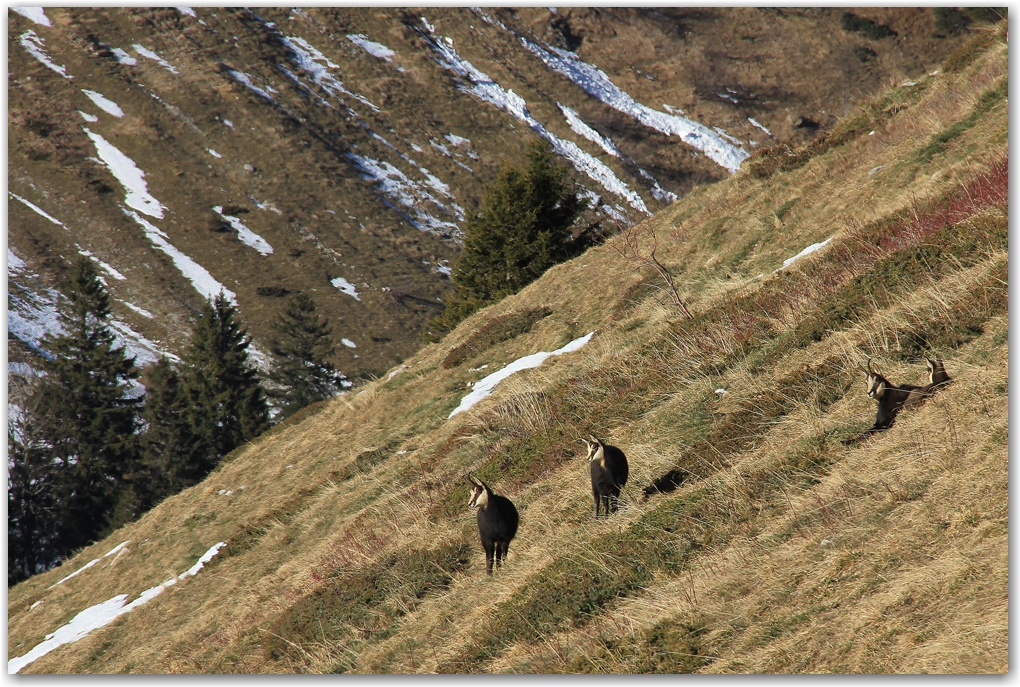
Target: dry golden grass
{"points": [[887, 556]]}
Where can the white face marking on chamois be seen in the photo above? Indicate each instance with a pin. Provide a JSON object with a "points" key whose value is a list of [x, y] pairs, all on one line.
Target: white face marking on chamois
{"points": [[876, 386], [479, 498], [596, 452]]}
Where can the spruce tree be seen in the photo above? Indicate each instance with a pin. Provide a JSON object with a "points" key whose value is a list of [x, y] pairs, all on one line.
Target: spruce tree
{"points": [[32, 545], [172, 454], [523, 229], [85, 420], [226, 405], [302, 374]]}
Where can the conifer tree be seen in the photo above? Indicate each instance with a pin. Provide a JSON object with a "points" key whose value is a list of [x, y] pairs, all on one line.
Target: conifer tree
{"points": [[85, 418], [302, 374], [171, 452], [226, 405], [523, 229], [31, 501]]}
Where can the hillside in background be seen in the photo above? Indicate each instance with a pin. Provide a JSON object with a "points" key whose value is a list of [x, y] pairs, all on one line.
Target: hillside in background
{"points": [[755, 534], [337, 151]]}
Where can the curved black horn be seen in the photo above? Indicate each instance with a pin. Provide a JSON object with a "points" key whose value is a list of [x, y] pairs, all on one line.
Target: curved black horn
{"points": [[870, 371]]}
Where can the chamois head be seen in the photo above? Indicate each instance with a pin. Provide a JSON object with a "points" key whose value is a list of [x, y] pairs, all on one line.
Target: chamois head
{"points": [[876, 382], [479, 493], [596, 449]]}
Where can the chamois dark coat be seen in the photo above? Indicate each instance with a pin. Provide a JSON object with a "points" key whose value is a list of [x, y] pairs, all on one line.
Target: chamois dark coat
{"points": [[609, 471], [891, 399], [497, 521]]}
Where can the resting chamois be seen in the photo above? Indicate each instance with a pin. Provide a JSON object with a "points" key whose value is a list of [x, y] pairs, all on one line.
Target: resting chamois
{"points": [[497, 521], [938, 378], [608, 474], [891, 398]]}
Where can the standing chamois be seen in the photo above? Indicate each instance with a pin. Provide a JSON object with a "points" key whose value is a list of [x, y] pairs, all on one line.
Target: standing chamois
{"points": [[891, 398], [497, 521], [608, 474]]}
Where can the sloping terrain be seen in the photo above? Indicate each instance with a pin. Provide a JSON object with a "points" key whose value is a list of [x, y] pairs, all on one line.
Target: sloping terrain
{"points": [[754, 535], [337, 151]]}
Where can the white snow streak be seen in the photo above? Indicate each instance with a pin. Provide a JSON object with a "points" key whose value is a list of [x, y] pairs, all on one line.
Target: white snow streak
{"points": [[753, 122], [36, 47], [145, 52], [247, 81], [91, 119], [308, 58], [14, 264], [36, 14], [123, 57], [213, 153], [38, 210], [129, 176], [246, 235], [100, 615], [141, 311], [348, 343], [345, 287], [579, 127], [660, 194], [807, 251], [596, 83], [199, 276], [486, 89], [371, 47], [188, 11], [113, 273], [484, 387], [88, 565], [104, 103]]}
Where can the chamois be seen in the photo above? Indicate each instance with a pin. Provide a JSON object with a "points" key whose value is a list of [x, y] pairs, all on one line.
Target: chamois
{"points": [[497, 521], [937, 379], [891, 398], [608, 474]]}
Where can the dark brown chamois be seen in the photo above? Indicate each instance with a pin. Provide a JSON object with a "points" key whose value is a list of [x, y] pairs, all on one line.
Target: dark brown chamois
{"points": [[891, 398], [497, 521], [608, 474]]}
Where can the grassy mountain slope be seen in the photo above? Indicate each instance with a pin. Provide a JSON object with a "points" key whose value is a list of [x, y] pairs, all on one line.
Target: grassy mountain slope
{"points": [[279, 159], [766, 546]]}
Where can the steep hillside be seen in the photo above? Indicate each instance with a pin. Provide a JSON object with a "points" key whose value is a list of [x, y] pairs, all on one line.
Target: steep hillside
{"points": [[756, 533], [337, 151]]}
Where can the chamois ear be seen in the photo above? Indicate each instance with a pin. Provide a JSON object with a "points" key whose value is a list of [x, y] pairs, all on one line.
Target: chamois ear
{"points": [[594, 440]]}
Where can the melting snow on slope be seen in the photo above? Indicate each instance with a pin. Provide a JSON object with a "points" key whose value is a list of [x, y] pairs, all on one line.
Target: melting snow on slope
{"points": [[36, 14], [597, 84], [88, 565], [188, 11], [579, 127], [486, 89], [199, 276], [807, 251], [660, 194], [113, 273], [372, 48], [100, 615], [753, 122], [346, 287], [36, 47], [394, 183], [123, 57], [129, 176], [308, 57], [38, 210], [247, 81], [91, 119], [248, 236], [484, 387], [104, 103], [145, 52], [348, 343]]}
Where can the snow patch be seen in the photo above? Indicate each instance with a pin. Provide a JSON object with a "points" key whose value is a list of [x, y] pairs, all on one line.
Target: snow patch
{"points": [[36, 14], [188, 11], [246, 235], [110, 270], [213, 153], [247, 81], [145, 52], [199, 277], [456, 140], [807, 251], [102, 614], [14, 263], [755, 123], [123, 57], [38, 210], [484, 387], [581, 128], [308, 57], [348, 343], [36, 47], [346, 287], [91, 119], [129, 176], [486, 89], [596, 83], [88, 565], [660, 194], [104, 103], [141, 311], [372, 48]]}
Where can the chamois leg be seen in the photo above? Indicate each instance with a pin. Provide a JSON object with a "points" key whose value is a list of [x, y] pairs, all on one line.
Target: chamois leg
{"points": [[490, 550], [598, 499]]}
